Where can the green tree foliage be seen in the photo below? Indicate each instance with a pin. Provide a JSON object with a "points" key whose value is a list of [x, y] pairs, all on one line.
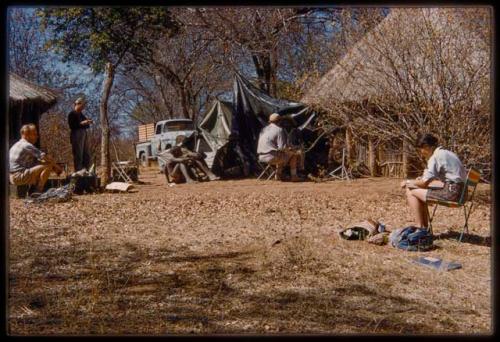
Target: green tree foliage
{"points": [[105, 39], [100, 35]]}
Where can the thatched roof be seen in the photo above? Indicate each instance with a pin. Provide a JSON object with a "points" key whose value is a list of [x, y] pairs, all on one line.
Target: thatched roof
{"points": [[403, 42], [24, 91]]}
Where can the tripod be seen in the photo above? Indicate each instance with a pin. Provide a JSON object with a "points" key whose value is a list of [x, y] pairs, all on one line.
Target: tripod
{"points": [[344, 173]]}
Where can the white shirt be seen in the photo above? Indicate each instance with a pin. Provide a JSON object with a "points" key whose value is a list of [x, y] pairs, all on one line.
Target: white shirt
{"points": [[445, 166], [271, 138], [24, 155]]}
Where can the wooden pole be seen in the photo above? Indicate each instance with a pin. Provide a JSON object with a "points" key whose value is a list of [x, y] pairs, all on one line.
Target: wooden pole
{"points": [[405, 159], [372, 158], [105, 129], [349, 146], [380, 157]]}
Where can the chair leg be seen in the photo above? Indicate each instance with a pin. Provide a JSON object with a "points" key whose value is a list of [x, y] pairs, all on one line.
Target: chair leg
{"points": [[465, 229], [264, 171], [430, 217], [272, 174]]}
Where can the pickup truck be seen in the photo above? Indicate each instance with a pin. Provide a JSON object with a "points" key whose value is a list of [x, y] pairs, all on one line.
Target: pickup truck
{"points": [[154, 138]]}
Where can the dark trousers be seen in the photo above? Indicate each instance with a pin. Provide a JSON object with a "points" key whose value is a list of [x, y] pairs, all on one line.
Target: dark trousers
{"points": [[81, 149]]}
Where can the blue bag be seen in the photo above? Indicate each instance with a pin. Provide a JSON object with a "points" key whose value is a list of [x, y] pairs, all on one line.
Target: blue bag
{"points": [[411, 239]]}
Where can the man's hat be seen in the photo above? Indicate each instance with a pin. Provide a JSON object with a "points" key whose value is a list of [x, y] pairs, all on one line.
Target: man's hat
{"points": [[274, 117], [80, 100]]}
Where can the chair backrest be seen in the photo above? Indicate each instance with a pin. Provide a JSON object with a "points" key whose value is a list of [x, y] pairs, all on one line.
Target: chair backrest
{"points": [[473, 177]]}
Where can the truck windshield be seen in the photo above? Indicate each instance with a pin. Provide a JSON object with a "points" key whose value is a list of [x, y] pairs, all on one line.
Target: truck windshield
{"points": [[178, 126]]}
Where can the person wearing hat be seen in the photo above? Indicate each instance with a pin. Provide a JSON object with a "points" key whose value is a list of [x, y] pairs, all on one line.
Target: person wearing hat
{"points": [[272, 148], [78, 124]]}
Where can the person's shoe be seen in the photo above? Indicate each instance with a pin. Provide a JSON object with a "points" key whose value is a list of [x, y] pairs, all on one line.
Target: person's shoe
{"points": [[296, 179], [213, 178], [35, 194]]}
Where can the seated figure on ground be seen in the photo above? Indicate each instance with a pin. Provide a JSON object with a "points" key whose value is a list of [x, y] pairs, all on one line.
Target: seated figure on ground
{"points": [[442, 165], [273, 148], [27, 164], [183, 165]]}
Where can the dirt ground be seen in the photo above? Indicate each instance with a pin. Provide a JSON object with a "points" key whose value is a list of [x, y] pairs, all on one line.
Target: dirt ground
{"points": [[241, 257]]}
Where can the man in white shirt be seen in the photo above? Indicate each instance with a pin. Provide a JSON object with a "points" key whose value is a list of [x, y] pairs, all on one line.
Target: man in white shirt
{"points": [[272, 149], [442, 165], [27, 164]]}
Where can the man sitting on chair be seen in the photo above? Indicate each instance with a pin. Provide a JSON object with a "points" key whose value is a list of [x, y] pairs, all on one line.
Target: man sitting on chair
{"points": [[273, 149], [29, 165], [442, 165]]}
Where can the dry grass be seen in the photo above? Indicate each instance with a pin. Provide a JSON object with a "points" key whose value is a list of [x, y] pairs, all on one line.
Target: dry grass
{"points": [[240, 257]]}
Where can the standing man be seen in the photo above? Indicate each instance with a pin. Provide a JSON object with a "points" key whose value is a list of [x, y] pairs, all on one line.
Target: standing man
{"points": [[27, 164], [273, 148], [78, 123]]}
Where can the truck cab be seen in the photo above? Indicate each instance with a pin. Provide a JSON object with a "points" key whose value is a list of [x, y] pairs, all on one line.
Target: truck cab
{"points": [[165, 133]]}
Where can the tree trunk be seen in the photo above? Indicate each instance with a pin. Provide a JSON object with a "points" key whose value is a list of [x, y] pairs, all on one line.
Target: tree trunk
{"points": [[266, 61], [105, 130], [184, 102], [349, 146], [380, 157], [405, 159], [273, 86], [265, 70], [372, 158]]}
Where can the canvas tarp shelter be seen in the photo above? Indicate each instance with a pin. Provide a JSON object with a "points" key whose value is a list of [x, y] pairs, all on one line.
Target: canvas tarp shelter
{"points": [[229, 132], [216, 124], [252, 108], [215, 139]]}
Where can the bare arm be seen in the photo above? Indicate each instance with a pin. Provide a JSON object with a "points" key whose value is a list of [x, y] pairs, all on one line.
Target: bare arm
{"points": [[48, 160]]}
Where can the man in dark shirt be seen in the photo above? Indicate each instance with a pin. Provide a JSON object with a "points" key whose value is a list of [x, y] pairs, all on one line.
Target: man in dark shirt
{"points": [[79, 124]]}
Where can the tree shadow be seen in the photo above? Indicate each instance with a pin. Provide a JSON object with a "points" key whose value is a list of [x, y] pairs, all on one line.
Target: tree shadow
{"points": [[467, 238], [211, 291]]}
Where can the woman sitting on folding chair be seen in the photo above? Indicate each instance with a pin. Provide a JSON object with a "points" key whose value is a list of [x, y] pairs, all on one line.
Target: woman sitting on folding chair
{"points": [[442, 165]]}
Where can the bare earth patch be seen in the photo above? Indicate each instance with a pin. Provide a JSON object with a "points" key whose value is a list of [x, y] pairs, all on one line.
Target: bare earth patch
{"points": [[241, 257]]}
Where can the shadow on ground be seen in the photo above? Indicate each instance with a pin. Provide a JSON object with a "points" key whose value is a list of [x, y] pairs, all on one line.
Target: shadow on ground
{"points": [[207, 293]]}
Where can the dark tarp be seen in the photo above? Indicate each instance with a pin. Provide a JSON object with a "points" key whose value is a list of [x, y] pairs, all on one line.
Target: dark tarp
{"points": [[252, 108], [231, 130]]}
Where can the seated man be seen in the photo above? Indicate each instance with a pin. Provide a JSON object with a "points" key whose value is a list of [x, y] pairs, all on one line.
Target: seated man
{"points": [[29, 165], [181, 163], [442, 165], [272, 148]]}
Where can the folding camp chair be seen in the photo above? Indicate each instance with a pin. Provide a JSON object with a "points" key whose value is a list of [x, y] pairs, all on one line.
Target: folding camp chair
{"points": [[473, 177], [269, 170]]}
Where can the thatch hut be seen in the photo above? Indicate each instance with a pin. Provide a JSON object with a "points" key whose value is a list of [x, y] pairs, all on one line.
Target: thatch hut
{"points": [[413, 56], [27, 101]]}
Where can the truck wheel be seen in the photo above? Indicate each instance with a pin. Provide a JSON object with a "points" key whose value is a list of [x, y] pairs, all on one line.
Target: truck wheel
{"points": [[144, 160]]}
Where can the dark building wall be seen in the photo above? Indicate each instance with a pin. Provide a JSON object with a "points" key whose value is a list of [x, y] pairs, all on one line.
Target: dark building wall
{"points": [[21, 113]]}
